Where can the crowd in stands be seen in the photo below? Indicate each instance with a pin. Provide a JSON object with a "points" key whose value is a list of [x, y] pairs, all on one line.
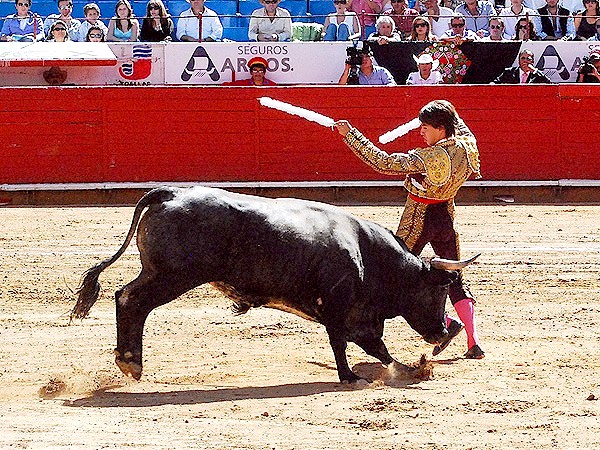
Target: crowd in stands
{"points": [[379, 21]]}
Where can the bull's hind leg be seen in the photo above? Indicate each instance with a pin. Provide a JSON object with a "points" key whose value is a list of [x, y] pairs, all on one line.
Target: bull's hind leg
{"points": [[134, 303]]}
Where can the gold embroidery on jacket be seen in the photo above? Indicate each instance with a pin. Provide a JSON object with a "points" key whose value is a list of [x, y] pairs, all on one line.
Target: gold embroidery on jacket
{"points": [[412, 222]]}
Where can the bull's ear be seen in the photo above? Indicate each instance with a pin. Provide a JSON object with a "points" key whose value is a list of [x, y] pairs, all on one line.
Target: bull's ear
{"points": [[441, 277]]}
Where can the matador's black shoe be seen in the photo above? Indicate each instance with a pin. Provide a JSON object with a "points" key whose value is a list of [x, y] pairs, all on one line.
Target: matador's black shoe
{"points": [[454, 328], [475, 352]]}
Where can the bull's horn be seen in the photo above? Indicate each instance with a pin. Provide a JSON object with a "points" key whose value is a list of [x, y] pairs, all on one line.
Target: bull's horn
{"points": [[449, 264]]}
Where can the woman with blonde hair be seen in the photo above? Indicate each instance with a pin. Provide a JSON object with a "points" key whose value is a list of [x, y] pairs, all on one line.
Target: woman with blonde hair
{"points": [[123, 27], [421, 30], [157, 25]]}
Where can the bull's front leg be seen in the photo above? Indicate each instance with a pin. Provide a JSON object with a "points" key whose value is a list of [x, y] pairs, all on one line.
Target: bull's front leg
{"points": [[374, 346], [339, 344]]}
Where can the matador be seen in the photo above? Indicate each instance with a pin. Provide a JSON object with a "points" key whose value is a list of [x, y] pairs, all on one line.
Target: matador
{"points": [[433, 177]]}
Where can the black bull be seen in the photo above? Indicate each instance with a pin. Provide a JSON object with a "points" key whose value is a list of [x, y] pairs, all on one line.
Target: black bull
{"points": [[308, 258]]}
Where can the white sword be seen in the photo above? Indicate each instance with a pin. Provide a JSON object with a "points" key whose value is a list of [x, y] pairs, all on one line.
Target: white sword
{"points": [[297, 111]]}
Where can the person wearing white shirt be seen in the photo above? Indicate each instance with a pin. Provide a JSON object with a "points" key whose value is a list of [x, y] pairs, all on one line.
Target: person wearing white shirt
{"points": [[270, 23], [439, 17], [511, 16], [427, 73], [187, 25]]}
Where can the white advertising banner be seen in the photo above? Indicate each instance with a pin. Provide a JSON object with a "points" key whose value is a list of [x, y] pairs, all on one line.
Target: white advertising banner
{"points": [[559, 60], [177, 63], [288, 63]]}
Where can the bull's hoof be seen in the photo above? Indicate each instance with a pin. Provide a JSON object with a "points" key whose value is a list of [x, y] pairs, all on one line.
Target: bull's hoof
{"points": [[352, 378], [129, 368]]}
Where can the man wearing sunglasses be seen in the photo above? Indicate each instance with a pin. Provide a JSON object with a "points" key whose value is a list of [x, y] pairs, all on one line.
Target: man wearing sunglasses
{"points": [[65, 9], [496, 27], [23, 26], [270, 23], [458, 32]]}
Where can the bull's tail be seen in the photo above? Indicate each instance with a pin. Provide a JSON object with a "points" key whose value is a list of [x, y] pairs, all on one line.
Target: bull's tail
{"points": [[88, 290]]}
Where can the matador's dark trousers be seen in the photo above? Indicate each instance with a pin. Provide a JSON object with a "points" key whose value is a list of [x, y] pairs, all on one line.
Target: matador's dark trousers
{"points": [[423, 224]]}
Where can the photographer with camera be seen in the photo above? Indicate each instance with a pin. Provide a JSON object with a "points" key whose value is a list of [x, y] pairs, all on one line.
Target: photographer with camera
{"points": [[589, 70], [361, 70]]}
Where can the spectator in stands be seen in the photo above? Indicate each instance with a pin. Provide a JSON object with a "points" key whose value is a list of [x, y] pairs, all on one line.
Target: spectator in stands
{"points": [[58, 32], [23, 26], [65, 8], [427, 73], [403, 16], [458, 32], [572, 5], [270, 23], [496, 28], [585, 21], [477, 15], [511, 15], [525, 73], [421, 30], [157, 26], [554, 22], [371, 8], [258, 69], [439, 17], [589, 70], [187, 25], [91, 11], [123, 27], [368, 72], [452, 4], [341, 24], [95, 34], [525, 30], [386, 31], [596, 37]]}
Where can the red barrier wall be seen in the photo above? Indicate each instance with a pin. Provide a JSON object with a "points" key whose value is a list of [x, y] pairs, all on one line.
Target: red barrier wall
{"points": [[119, 134]]}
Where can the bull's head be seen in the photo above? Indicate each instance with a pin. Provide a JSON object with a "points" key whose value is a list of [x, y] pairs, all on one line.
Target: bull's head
{"points": [[425, 313]]}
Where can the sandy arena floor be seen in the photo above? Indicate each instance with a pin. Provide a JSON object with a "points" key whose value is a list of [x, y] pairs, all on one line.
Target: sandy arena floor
{"points": [[267, 380]]}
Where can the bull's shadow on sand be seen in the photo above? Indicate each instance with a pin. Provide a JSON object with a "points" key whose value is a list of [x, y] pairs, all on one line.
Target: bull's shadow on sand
{"points": [[105, 398]]}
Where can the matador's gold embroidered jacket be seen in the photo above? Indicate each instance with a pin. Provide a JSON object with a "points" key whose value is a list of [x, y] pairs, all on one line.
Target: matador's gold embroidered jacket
{"points": [[435, 172]]}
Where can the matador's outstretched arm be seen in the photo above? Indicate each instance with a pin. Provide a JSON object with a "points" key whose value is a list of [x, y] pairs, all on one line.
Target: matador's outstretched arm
{"points": [[381, 161]]}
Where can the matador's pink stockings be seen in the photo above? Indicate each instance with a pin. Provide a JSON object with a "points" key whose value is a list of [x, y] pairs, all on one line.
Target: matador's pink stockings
{"points": [[466, 313]]}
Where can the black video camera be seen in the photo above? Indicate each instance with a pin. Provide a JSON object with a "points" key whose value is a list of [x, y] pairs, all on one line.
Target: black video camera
{"points": [[354, 56], [354, 59]]}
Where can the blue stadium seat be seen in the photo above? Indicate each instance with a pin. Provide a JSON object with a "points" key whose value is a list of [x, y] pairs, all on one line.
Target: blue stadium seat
{"points": [[44, 8], [239, 34], [320, 9], [176, 7], [7, 8], [297, 9], [139, 8], [226, 9], [245, 8]]}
